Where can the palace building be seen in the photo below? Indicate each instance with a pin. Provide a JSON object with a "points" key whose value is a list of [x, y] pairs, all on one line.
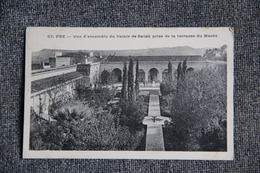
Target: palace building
{"points": [[151, 68], [71, 69]]}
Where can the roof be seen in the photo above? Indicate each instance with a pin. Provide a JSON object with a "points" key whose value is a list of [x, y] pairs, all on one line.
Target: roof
{"points": [[81, 55], [45, 83], [95, 59], [60, 57], [154, 58]]}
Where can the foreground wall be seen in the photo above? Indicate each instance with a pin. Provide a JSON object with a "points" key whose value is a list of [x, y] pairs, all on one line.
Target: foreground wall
{"points": [[42, 100]]}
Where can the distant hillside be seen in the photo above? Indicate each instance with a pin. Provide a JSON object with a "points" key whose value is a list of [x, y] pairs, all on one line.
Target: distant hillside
{"points": [[169, 51], [43, 55], [154, 58]]}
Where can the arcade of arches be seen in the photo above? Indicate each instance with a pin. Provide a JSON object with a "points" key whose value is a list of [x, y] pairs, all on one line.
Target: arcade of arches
{"points": [[114, 77], [152, 75]]}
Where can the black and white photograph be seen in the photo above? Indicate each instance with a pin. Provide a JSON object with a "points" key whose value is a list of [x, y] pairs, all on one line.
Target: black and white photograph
{"points": [[129, 93]]}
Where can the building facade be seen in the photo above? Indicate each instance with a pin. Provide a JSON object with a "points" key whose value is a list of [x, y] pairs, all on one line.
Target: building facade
{"points": [[151, 68]]}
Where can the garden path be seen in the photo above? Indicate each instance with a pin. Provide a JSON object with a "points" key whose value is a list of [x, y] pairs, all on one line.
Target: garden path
{"points": [[154, 136]]}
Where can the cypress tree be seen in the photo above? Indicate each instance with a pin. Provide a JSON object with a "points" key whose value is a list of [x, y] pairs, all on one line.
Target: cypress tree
{"points": [[179, 71], [184, 67], [170, 71], [131, 93], [137, 78], [124, 94]]}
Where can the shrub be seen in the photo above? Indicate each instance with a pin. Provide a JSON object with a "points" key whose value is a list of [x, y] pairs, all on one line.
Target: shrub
{"points": [[166, 88], [80, 127], [132, 115], [95, 97], [198, 110]]}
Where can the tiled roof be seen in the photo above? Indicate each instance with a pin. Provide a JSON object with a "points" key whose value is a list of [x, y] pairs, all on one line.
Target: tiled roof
{"points": [[45, 83], [154, 58]]}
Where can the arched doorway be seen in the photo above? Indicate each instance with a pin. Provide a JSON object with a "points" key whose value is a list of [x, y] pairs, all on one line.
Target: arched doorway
{"points": [[153, 75], [118, 74], [105, 77], [141, 77], [165, 75]]}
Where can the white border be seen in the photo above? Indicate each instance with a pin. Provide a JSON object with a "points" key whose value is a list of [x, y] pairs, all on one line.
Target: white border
{"points": [[36, 40]]}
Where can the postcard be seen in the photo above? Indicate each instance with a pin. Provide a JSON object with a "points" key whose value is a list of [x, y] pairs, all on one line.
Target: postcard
{"points": [[129, 93]]}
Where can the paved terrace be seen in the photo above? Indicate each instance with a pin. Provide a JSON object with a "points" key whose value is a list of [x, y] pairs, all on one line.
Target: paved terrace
{"points": [[51, 72], [146, 87]]}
